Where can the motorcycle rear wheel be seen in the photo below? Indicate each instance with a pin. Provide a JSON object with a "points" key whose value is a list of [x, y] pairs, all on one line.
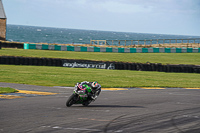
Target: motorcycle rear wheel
{"points": [[70, 100]]}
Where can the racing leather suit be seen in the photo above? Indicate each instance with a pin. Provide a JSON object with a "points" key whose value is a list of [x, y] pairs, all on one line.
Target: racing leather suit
{"points": [[95, 91]]}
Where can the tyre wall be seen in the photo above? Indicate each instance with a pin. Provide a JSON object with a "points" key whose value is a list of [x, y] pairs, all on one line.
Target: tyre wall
{"points": [[11, 60], [110, 49], [11, 45]]}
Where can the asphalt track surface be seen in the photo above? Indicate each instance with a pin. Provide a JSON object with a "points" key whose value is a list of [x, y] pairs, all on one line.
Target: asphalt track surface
{"points": [[124, 111]]}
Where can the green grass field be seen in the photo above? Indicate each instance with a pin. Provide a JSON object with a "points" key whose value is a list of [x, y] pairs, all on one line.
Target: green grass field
{"points": [[62, 76], [164, 58], [4, 90]]}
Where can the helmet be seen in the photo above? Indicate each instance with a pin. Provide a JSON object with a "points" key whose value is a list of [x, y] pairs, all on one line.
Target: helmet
{"points": [[95, 84]]}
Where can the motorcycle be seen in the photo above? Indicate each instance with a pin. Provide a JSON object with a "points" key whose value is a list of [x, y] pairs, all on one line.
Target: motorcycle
{"points": [[81, 95]]}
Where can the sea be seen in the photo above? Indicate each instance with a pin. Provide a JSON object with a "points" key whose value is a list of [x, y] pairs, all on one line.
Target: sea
{"points": [[35, 34]]}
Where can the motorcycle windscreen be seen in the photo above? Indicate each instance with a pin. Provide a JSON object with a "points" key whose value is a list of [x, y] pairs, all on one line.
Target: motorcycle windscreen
{"points": [[82, 93]]}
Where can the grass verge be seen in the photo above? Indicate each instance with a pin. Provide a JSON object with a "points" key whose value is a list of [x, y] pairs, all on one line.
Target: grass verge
{"points": [[4, 90], [62, 76], [164, 58]]}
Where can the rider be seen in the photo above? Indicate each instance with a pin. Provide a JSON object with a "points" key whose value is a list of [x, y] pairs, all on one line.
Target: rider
{"points": [[96, 88]]}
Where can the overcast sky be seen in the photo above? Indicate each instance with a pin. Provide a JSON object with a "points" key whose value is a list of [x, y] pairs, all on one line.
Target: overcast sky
{"points": [[179, 17]]}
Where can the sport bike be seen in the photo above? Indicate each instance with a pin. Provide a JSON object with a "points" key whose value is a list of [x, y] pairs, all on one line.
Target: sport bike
{"points": [[81, 95]]}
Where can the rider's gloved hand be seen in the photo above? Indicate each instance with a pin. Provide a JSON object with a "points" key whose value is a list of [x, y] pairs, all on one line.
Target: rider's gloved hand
{"points": [[94, 97]]}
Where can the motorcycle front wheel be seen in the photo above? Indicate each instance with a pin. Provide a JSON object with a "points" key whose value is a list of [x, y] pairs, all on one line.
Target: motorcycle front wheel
{"points": [[70, 100]]}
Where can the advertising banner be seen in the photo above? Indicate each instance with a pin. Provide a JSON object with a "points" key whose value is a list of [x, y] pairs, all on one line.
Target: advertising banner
{"points": [[86, 64]]}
